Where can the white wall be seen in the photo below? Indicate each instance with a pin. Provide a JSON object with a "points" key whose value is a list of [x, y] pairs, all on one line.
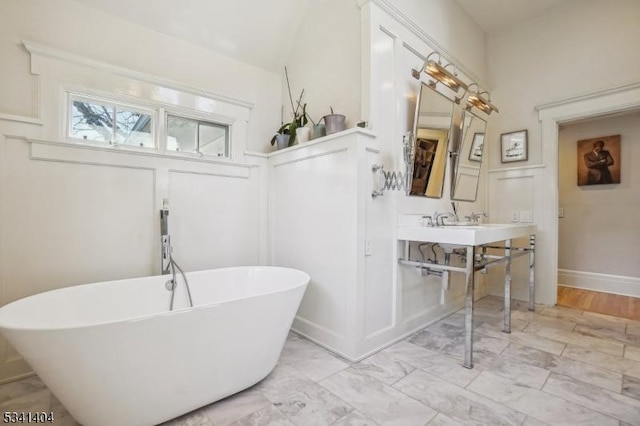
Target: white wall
{"points": [[456, 35], [72, 214], [576, 48], [393, 44], [325, 61], [326, 57], [601, 220], [75, 28]]}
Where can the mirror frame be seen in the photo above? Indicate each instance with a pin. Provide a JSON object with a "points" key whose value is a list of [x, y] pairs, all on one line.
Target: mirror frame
{"points": [[433, 188], [459, 145]]}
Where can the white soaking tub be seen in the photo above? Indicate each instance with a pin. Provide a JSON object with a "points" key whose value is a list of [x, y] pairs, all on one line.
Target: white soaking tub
{"points": [[114, 354]]}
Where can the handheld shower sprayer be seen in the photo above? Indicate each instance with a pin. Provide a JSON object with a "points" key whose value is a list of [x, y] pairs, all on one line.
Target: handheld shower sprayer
{"points": [[164, 236]]}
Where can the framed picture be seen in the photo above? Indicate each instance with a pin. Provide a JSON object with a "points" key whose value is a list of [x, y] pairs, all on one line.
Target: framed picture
{"points": [[599, 160], [477, 144], [514, 146]]}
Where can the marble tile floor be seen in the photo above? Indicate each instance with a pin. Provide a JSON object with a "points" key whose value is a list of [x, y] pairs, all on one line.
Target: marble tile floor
{"points": [[559, 366]]}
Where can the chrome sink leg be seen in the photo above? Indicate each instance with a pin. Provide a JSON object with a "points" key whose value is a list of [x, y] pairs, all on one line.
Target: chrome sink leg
{"points": [[468, 309], [532, 280], [507, 288]]}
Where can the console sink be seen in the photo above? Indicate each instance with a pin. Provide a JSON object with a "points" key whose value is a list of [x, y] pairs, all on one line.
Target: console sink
{"points": [[449, 248], [410, 228]]}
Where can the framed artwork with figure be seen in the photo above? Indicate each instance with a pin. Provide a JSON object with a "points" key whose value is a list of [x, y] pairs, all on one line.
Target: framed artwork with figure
{"points": [[599, 160]]}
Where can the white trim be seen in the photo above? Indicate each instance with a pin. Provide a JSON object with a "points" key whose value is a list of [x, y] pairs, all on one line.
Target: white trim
{"points": [[513, 169], [257, 154], [323, 139], [13, 370], [416, 30], [606, 101], [586, 96], [71, 97], [125, 72], [21, 119], [77, 152], [604, 283]]}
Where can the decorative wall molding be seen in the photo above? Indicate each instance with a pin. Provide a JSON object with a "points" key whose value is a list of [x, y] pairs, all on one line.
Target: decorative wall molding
{"points": [[45, 150], [517, 169], [323, 140], [605, 283], [34, 48], [605, 101], [587, 96], [21, 119], [311, 157], [414, 28]]}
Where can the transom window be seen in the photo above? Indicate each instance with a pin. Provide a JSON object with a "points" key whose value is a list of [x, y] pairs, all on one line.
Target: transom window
{"points": [[196, 136], [105, 121]]}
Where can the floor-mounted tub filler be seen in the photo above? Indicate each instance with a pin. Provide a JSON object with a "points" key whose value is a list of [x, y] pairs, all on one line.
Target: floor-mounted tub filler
{"points": [[114, 354]]}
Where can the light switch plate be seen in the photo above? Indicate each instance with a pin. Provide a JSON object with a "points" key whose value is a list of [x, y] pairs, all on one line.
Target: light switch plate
{"points": [[367, 247], [526, 216], [515, 216]]}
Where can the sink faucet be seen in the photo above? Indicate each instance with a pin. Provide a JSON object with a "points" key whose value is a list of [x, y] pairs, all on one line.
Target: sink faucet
{"points": [[439, 217], [475, 217], [427, 221]]}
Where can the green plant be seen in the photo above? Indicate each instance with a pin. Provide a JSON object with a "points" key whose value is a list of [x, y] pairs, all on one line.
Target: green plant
{"points": [[300, 118]]}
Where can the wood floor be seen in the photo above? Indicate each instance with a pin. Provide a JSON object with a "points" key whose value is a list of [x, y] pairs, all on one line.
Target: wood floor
{"points": [[602, 303]]}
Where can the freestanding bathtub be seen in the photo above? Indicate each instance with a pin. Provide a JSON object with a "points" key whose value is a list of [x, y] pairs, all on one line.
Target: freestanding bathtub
{"points": [[114, 354]]}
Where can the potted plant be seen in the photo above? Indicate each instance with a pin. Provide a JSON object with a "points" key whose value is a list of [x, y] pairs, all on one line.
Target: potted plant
{"points": [[300, 119]]}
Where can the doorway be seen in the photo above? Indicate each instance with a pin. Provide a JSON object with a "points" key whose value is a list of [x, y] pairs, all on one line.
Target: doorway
{"points": [[597, 221], [552, 116]]}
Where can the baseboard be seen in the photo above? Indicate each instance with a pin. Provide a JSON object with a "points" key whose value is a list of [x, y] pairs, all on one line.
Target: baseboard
{"points": [[604, 283], [14, 370]]}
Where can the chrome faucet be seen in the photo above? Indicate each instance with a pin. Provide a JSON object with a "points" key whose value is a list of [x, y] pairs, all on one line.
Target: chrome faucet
{"points": [[475, 217], [164, 237], [439, 217], [427, 221]]}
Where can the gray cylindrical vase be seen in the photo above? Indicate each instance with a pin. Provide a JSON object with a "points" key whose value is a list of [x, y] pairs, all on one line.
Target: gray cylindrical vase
{"points": [[318, 131], [334, 123], [282, 141]]}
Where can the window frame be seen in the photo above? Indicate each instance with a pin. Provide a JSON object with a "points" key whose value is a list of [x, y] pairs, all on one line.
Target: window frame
{"points": [[198, 120], [159, 113], [116, 105]]}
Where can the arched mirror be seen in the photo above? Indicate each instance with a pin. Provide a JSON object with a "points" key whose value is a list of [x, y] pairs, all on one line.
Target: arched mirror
{"points": [[432, 127], [466, 164]]}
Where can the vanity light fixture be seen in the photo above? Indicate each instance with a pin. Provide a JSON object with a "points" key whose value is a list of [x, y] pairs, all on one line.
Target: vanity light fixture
{"points": [[476, 99], [440, 73]]}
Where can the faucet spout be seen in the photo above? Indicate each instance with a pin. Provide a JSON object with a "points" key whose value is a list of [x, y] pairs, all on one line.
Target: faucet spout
{"points": [[475, 217], [439, 218]]}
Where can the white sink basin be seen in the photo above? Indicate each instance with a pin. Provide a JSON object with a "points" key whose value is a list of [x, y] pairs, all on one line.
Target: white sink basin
{"points": [[474, 235]]}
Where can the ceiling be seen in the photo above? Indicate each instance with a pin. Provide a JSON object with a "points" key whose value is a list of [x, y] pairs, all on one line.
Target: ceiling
{"points": [[260, 32]]}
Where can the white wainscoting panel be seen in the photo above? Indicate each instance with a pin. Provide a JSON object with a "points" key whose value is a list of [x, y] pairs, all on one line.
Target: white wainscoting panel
{"points": [[518, 189], [73, 214], [380, 300], [313, 222], [214, 220], [68, 223], [318, 198]]}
